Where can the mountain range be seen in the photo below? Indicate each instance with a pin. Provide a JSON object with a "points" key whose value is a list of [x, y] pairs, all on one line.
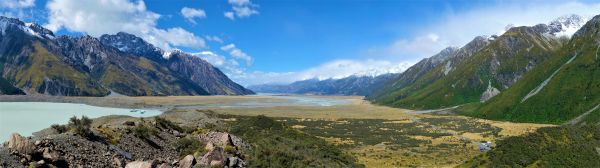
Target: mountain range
{"points": [[34, 61], [351, 85], [528, 74], [493, 65]]}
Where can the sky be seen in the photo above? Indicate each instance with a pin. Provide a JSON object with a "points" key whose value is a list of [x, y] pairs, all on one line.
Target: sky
{"points": [[281, 41]]}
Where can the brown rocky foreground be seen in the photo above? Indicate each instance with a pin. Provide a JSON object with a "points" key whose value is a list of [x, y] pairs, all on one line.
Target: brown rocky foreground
{"points": [[118, 141]]}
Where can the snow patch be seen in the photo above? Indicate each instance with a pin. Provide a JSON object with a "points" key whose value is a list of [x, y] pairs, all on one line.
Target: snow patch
{"points": [[5, 24], [168, 54]]}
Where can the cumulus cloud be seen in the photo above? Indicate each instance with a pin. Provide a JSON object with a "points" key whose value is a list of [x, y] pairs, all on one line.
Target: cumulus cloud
{"points": [[214, 39], [108, 17], [237, 53], [17, 3], [190, 14], [17, 8], [228, 66], [457, 28], [241, 9], [335, 69], [229, 15]]}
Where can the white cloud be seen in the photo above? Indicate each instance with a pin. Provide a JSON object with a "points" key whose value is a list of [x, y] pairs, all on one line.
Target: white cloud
{"points": [[458, 28], [17, 3], [334, 69], [237, 53], [190, 14], [409, 50], [95, 18], [22, 9], [214, 38], [228, 66], [229, 15], [241, 9]]}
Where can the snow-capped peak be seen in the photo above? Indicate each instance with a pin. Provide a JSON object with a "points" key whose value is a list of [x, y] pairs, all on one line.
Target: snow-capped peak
{"points": [[29, 28], [566, 25], [168, 54]]}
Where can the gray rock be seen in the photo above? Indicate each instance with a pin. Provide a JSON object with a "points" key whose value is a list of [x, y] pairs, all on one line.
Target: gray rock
{"points": [[213, 157], [20, 144], [187, 162], [139, 164], [50, 155], [164, 165], [117, 162]]}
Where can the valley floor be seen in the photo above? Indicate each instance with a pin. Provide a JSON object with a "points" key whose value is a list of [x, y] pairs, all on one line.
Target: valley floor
{"points": [[378, 136]]}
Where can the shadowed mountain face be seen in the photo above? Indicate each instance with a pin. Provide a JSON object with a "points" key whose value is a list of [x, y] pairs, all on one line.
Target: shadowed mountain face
{"points": [[352, 85], [34, 61], [476, 72]]}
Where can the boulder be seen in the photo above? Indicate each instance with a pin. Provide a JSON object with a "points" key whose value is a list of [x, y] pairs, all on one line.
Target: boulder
{"points": [[139, 164], [50, 155], [235, 162], [213, 156], [217, 138], [216, 163], [164, 165], [20, 144], [117, 162], [187, 162], [209, 146]]}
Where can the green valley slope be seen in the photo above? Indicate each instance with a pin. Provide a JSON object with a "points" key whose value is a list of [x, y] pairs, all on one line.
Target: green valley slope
{"points": [[480, 76], [560, 89]]}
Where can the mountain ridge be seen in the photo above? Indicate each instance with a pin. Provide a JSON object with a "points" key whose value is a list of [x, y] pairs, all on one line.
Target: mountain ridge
{"points": [[84, 66]]}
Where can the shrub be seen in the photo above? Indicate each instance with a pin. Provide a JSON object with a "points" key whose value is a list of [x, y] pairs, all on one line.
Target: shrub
{"points": [[187, 146], [81, 126], [229, 149], [141, 131], [164, 123], [59, 128]]}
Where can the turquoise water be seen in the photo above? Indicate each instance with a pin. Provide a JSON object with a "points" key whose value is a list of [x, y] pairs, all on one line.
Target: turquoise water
{"points": [[281, 100], [28, 117]]}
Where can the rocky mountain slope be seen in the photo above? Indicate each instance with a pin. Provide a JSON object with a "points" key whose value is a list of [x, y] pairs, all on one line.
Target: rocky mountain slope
{"points": [[566, 87], [181, 64], [352, 85], [427, 71], [481, 75], [34, 61]]}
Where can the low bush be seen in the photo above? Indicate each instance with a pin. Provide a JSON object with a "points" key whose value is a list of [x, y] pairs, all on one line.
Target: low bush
{"points": [[81, 126], [275, 145], [188, 146]]}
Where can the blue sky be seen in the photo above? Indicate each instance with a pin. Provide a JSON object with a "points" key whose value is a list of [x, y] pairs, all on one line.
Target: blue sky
{"points": [[280, 41]]}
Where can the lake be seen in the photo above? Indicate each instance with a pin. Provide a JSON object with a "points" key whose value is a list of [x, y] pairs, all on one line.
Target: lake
{"points": [[28, 117]]}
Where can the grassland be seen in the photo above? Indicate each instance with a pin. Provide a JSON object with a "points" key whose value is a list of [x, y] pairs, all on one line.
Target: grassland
{"points": [[389, 137], [378, 136]]}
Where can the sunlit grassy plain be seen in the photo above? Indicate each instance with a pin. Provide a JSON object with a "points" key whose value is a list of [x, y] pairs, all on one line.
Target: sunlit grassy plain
{"points": [[378, 136]]}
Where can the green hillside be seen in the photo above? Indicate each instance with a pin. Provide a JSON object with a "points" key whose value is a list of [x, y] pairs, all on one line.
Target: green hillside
{"points": [[548, 147], [44, 72], [572, 77], [497, 65]]}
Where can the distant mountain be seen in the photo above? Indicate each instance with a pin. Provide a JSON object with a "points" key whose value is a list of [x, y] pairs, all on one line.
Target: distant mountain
{"points": [[34, 61], [565, 87], [486, 67], [352, 85]]}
